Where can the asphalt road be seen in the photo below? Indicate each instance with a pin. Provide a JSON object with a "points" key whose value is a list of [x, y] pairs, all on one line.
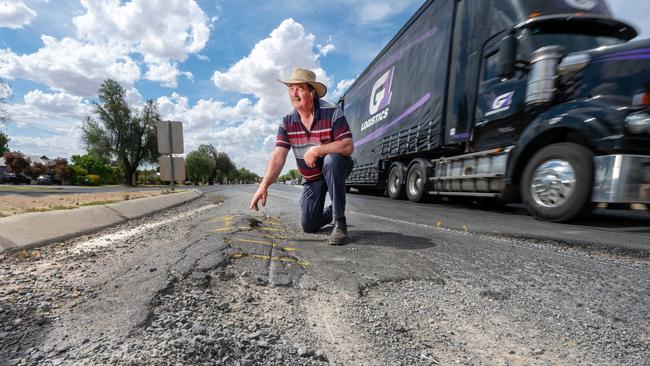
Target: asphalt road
{"points": [[212, 282]]}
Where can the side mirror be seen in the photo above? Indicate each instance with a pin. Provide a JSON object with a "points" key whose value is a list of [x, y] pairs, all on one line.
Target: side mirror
{"points": [[507, 56]]}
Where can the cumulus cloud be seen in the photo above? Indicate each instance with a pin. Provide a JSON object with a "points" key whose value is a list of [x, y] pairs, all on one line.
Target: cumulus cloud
{"points": [[166, 73], [5, 90], [15, 14], [205, 114], [326, 49], [156, 29], [59, 115], [341, 87], [273, 58], [63, 145], [69, 65], [60, 104]]}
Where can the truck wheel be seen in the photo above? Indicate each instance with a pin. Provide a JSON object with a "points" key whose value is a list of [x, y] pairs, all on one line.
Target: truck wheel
{"points": [[557, 182], [416, 181], [395, 186]]}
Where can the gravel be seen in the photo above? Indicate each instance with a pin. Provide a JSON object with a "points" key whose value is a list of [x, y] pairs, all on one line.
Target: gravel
{"points": [[194, 302]]}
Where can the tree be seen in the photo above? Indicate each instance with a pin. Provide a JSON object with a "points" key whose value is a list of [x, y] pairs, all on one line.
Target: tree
{"points": [[244, 176], [225, 168], [4, 143], [291, 175], [198, 166], [120, 134], [16, 162], [210, 152], [35, 170], [61, 169]]}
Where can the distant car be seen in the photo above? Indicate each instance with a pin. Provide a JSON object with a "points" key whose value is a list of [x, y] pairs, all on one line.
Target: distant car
{"points": [[12, 178], [48, 179]]}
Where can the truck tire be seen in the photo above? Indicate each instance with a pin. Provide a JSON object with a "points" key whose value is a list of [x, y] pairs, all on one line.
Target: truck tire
{"points": [[416, 181], [395, 181], [557, 182]]}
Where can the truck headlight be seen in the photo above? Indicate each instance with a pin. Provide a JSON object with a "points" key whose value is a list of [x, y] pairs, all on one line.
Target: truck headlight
{"points": [[638, 122]]}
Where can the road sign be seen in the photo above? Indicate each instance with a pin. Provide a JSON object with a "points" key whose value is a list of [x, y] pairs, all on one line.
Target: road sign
{"points": [[166, 171], [170, 137]]}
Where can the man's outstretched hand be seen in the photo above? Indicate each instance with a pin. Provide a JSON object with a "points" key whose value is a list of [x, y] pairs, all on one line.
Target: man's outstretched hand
{"points": [[259, 195]]}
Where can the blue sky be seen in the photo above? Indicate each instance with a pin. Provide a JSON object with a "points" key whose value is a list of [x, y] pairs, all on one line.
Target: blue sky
{"points": [[211, 64]]}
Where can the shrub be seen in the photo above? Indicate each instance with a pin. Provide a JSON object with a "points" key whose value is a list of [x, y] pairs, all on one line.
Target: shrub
{"points": [[93, 180]]}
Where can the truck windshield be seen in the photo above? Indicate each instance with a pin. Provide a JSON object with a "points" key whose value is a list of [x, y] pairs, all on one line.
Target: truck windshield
{"points": [[573, 42], [578, 34]]}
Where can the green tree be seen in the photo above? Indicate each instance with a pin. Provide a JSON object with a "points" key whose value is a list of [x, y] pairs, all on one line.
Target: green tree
{"points": [[225, 168], [211, 153], [198, 166], [120, 134], [244, 176], [4, 143], [291, 174]]}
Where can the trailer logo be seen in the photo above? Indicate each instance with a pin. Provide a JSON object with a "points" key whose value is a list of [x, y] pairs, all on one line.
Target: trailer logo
{"points": [[582, 4], [501, 103], [381, 93], [379, 99]]}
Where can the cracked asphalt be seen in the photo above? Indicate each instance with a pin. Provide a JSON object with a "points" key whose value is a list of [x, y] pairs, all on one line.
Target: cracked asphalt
{"points": [[212, 283]]}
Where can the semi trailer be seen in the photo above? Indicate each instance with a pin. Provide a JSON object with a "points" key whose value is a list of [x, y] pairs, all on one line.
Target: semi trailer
{"points": [[540, 101]]}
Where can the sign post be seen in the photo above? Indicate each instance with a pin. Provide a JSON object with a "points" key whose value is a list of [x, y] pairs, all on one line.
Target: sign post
{"points": [[170, 142]]}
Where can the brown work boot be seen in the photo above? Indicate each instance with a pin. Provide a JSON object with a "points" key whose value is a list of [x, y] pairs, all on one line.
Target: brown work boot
{"points": [[339, 232]]}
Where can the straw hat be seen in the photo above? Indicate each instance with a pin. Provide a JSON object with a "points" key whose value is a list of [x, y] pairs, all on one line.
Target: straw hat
{"points": [[306, 76]]}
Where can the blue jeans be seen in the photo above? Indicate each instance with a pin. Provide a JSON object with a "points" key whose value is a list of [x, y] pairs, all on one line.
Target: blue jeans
{"points": [[336, 169]]}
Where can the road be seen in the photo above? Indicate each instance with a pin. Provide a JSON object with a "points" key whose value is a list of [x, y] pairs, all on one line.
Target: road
{"points": [[211, 282]]}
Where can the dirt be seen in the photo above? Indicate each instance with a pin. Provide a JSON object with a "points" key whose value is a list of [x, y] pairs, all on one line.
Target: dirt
{"points": [[17, 204]]}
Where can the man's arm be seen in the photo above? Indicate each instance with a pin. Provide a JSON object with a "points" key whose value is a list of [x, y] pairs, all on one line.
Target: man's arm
{"points": [[343, 147], [273, 169]]}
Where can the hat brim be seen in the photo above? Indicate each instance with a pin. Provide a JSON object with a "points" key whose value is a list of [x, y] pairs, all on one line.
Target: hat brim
{"points": [[321, 89]]}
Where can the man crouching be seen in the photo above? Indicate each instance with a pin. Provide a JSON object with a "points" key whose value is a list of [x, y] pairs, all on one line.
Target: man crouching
{"points": [[322, 143]]}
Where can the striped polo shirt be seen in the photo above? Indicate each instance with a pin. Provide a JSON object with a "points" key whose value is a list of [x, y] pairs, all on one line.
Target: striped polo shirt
{"points": [[329, 125]]}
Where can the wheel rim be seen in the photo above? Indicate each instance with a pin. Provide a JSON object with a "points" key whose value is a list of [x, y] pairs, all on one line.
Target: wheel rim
{"points": [[393, 182], [415, 183], [553, 183]]}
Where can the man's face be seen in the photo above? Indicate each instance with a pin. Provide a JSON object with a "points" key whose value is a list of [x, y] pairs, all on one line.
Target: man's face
{"points": [[300, 95]]}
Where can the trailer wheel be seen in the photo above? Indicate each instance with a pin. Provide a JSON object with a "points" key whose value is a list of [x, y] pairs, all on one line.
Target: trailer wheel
{"points": [[557, 182], [395, 186], [416, 181]]}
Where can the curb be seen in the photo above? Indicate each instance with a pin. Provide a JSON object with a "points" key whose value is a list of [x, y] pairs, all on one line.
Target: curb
{"points": [[32, 230]]}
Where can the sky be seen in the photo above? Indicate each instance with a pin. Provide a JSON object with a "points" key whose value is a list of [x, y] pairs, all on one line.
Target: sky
{"points": [[213, 65]]}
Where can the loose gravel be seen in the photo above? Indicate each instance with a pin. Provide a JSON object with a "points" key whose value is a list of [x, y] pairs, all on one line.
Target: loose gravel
{"points": [[174, 290]]}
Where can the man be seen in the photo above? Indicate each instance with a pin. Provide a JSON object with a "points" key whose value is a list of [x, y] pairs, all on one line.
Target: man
{"points": [[322, 143]]}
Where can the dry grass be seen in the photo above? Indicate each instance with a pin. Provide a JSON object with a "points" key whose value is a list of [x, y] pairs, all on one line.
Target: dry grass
{"points": [[17, 203]]}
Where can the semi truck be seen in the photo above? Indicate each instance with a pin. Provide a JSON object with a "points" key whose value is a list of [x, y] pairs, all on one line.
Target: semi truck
{"points": [[541, 101]]}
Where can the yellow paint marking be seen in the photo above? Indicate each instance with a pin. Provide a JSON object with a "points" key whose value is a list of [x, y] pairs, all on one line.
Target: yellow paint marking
{"points": [[268, 257], [230, 228], [269, 244], [438, 223], [223, 229], [222, 218], [268, 229], [256, 241]]}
